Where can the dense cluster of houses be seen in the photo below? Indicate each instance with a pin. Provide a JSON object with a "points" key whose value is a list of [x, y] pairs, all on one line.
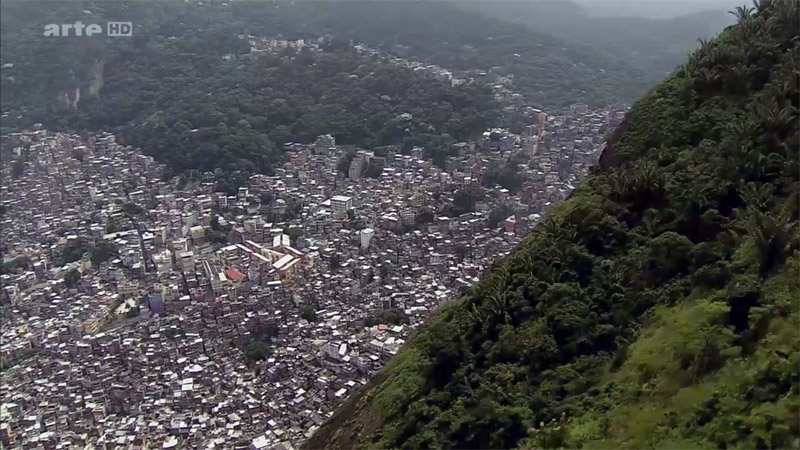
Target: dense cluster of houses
{"points": [[131, 303]]}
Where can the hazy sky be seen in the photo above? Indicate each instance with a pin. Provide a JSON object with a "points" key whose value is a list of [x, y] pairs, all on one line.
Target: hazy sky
{"points": [[657, 8]]}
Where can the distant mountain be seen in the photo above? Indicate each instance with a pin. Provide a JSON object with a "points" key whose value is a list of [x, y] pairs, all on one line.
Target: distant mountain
{"points": [[187, 89], [550, 71], [652, 9], [654, 46], [658, 307]]}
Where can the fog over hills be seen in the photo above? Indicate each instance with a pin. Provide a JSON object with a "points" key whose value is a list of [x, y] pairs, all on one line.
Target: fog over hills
{"points": [[653, 38], [654, 9]]}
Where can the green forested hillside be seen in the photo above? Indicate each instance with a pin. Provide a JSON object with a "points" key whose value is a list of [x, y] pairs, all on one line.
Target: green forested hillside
{"points": [[551, 72], [186, 89], [658, 307]]}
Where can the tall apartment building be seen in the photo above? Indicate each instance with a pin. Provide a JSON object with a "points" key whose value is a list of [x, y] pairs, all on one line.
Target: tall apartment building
{"points": [[357, 166], [366, 237]]}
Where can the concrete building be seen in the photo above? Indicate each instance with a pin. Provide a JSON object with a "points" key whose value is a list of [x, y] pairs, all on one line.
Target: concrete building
{"points": [[341, 203], [366, 237]]}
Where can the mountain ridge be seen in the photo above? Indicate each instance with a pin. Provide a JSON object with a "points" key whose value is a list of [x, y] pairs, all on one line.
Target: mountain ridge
{"points": [[655, 307], [654, 46]]}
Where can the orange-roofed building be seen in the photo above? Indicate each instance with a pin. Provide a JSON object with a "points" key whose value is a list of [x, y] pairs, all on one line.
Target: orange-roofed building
{"points": [[234, 276]]}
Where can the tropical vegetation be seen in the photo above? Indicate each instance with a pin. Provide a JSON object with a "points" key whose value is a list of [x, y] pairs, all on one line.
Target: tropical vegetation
{"points": [[658, 307], [187, 89]]}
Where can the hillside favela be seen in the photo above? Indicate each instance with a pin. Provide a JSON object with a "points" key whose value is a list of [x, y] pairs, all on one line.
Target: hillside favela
{"points": [[466, 224]]}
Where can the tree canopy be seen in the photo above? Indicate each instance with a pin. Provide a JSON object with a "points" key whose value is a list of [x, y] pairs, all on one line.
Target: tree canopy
{"points": [[191, 93], [256, 351], [187, 89]]}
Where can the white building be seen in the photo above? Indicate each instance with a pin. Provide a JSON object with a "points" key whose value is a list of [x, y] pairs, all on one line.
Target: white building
{"points": [[341, 203], [356, 168], [366, 237]]}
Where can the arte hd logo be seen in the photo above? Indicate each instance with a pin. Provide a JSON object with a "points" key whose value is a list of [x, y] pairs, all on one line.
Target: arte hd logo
{"points": [[80, 29]]}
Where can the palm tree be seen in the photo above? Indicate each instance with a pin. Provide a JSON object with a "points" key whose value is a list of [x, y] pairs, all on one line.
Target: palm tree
{"points": [[783, 161], [693, 63], [743, 130], [499, 307], [784, 87], [689, 69], [692, 203], [705, 79], [786, 15], [554, 226], [650, 222], [664, 156], [551, 270], [738, 77], [475, 314], [523, 262], [758, 195], [495, 294], [749, 29], [705, 44], [751, 161], [648, 177], [772, 234], [762, 5], [778, 119], [714, 57], [742, 13], [619, 181]]}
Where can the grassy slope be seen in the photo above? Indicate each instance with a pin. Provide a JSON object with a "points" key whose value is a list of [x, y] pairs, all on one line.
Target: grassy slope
{"points": [[651, 393], [657, 307]]}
